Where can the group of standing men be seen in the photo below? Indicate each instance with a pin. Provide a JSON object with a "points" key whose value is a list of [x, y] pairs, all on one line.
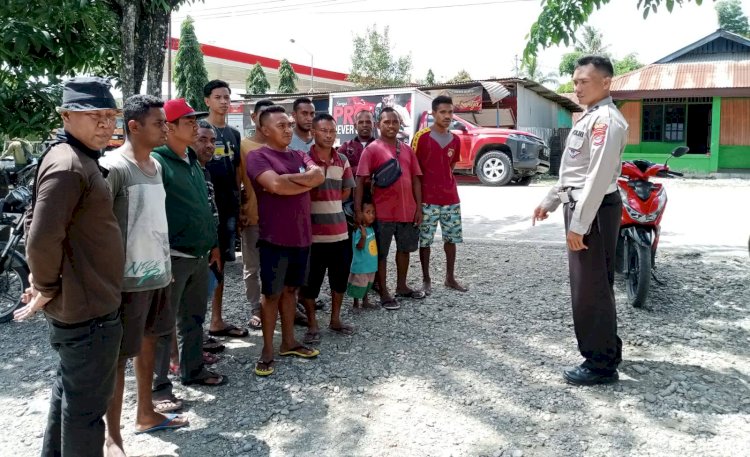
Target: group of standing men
{"points": [[122, 250], [151, 224]]}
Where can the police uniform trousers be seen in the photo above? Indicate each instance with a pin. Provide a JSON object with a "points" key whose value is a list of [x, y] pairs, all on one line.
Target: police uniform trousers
{"points": [[592, 273]]}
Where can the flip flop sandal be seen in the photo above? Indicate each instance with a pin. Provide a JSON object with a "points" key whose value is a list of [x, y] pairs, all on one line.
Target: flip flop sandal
{"points": [[231, 331], [165, 425], [255, 323], [414, 295], [295, 351], [390, 305], [311, 338], [345, 330], [203, 380], [268, 371], [213, 346], [209, 359], [167, 405]]}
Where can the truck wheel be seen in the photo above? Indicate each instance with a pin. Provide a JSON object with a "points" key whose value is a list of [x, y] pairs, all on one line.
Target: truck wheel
{"points": [[494, 169]]}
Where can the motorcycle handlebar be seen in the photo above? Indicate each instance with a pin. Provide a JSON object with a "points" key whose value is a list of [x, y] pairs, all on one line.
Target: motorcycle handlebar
{"points": [[674, 173]]}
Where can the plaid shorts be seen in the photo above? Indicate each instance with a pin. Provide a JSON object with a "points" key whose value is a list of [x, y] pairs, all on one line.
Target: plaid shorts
{"points": [[449, 217]]}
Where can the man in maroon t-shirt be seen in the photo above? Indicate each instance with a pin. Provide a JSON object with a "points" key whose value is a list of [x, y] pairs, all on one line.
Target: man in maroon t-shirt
{"points": [[353, 148], [398, 206], [282, 180], [438, 150]]}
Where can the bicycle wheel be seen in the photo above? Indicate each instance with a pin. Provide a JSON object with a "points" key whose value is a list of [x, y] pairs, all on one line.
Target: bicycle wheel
{"points": [[13, 282]]}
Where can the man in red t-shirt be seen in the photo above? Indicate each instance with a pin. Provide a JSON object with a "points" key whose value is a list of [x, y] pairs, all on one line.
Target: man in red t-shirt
{"points": [[437, 151], [398, 206]]}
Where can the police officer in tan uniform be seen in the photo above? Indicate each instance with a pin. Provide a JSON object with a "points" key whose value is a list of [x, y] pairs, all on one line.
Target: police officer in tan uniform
{"points": [[588, 189]]}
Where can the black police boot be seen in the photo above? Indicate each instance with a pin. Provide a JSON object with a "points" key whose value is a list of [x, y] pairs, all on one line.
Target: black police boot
{"points": [[581, 376]]}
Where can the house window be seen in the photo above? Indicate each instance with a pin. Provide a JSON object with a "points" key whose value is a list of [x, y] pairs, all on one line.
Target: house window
{"points": [[674, 123], [665, 119], [653, 120]]}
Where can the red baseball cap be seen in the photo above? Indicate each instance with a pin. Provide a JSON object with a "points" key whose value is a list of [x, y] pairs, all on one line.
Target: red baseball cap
{"points": [[178, 107]]}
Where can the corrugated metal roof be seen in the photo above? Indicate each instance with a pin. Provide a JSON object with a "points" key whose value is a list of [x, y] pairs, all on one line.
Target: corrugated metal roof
{"points": [[728, 73], [495, 90]]}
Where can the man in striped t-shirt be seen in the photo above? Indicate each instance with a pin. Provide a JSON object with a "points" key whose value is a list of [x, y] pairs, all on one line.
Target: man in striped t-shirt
{"points": [[330, 249]]}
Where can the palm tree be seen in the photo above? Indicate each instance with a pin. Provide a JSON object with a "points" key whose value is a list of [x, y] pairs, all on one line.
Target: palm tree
{"points": [[530, 70], [592, 42]]}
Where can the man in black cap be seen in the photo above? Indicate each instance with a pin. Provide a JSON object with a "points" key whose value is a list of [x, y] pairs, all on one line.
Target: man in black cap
{"points": [[75, 253]]}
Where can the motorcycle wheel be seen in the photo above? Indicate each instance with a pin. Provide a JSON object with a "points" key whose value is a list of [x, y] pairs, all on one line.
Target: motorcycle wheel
{"points": [[14, 280], [639, 274]]}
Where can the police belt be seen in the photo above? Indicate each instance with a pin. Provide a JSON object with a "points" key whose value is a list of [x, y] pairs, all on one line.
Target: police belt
{"points": [[573, 194], [570, 194]]}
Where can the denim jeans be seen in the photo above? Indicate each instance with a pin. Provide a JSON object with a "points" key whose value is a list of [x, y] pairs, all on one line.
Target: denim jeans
{"points": [[83, 387]]}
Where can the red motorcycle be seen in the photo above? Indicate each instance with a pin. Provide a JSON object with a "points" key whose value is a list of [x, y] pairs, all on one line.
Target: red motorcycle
{"points": [[643, 204]]}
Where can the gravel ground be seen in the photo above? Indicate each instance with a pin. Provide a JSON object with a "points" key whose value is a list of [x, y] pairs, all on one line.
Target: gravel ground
{"points": [[476, 374]]}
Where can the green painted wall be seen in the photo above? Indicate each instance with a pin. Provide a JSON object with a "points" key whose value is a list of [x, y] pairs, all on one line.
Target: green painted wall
{"points": [[734, 157], [715, 134], [659, 152], [564, 118]]}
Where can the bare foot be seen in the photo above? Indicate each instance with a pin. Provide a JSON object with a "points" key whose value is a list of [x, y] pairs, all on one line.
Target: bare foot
{"points": [[427, 287], [453, 284], [114, 448]]}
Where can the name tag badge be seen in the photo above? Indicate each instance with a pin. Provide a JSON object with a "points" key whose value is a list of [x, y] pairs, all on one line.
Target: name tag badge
{"points": [[576, 139]]}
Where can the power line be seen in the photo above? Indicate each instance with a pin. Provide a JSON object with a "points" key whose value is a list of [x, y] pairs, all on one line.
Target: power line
{"points": [[417, 8], [268, 10], [300, 6]]}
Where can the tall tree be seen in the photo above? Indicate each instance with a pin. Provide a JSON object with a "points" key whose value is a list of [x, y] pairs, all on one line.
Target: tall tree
{"points": [[430, 78], [374, 65], [627, 64], [61, 38], [143, 28], [530, 70], [257, 82], [560, 19], [731, 17], [190, 73], [287, 78], [461, 76], [567, 62], [565, 88], [591, 42]]}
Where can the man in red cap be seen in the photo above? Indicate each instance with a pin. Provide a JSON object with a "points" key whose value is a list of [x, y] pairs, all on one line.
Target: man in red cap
{"points": [[193, 242]]}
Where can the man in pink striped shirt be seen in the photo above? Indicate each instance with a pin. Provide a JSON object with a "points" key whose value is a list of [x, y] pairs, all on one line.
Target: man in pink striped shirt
{"points": [[330, 249]]}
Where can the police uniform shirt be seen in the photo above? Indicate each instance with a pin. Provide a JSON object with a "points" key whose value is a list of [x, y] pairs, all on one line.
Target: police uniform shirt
{"points": [[591, 163]]}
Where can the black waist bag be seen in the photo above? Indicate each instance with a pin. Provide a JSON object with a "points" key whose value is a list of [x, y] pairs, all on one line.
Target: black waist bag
{"points": [[389, 172]]}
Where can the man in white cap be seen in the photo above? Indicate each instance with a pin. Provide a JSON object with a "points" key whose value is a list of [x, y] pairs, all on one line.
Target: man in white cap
{"points": [[76, 257]]}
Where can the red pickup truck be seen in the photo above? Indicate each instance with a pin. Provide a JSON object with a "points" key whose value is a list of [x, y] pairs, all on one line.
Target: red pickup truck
{"points": [[497, 156]]}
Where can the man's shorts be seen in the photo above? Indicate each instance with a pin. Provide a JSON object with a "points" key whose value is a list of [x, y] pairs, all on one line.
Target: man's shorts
{"points": [[281, 266], [332, 257], [407, 237], [449, 217], [147, 312]]}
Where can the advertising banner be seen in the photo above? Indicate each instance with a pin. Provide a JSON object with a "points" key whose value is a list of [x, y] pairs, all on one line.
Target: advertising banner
{"points": [[464, 100], [344, 110]]}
